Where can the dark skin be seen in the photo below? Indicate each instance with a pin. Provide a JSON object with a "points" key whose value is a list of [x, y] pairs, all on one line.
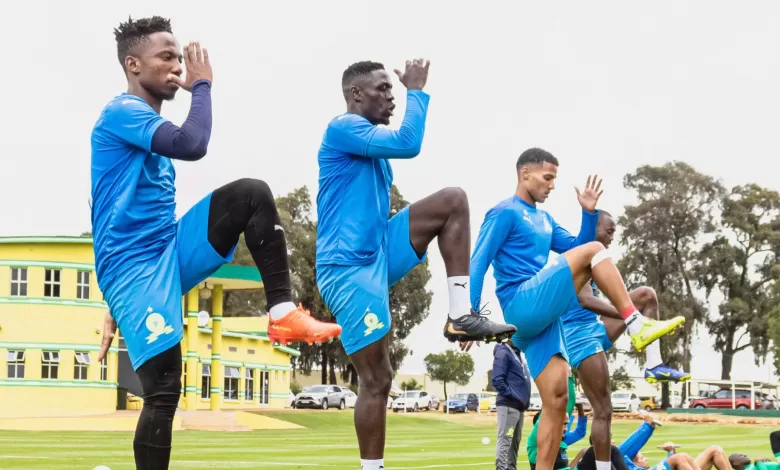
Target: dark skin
{"points": [[593, 371], [153, 68], [444, 215]]}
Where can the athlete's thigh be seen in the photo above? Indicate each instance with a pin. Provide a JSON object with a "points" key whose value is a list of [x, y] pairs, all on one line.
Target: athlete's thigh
{"points": [[594, 376], [358, 297], [541, 300], [401, 257], [146, 304], [540, 349], [197, 258]]}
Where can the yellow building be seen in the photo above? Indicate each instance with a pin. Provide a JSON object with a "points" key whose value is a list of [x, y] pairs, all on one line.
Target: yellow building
{"points": [[51, 317]]}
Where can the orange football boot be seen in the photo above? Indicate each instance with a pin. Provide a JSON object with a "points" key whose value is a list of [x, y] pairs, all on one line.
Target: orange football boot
{"points": [[300, 326]]}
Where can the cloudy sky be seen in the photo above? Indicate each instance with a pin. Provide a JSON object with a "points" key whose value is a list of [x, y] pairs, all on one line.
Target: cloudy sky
{"points": [[606, 86]]}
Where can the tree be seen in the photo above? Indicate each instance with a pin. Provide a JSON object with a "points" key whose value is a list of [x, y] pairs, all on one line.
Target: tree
{"points": [[739, 263], [450, 367], [620, 380], [411, 384], [661, 235], [409, 300]]}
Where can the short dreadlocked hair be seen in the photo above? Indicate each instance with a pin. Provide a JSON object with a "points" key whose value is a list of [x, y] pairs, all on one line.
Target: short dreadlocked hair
{"points": [[358, 69], [134, 32]]}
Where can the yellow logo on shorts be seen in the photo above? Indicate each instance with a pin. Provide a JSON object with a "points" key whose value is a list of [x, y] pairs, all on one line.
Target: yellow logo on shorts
{"points": [[372, 322], [156, 324]]}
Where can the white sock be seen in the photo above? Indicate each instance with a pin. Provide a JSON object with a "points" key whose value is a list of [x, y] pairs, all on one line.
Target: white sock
{"points": [[281, 310], [634, 322], [603, 465], [372, 464], [460, 301], [653, 355]]}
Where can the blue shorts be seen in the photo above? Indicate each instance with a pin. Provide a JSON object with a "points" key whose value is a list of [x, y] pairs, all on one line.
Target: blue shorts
{"points": [[146, 301], [358, 296], [585, 339], [536, 311]]}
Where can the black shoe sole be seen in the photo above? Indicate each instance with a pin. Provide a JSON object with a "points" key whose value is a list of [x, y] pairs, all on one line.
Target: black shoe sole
{"points": [[497, 338]]}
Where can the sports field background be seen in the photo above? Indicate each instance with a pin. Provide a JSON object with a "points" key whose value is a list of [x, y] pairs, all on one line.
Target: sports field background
{"points": [[421, 440]]}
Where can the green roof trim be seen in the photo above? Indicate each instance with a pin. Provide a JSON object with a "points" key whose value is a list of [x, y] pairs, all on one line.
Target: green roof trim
{"points": [[46, 239], [233, 271]]}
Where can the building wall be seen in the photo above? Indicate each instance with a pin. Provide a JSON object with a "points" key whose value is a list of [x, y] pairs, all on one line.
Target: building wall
{"points": [[36, 324]]}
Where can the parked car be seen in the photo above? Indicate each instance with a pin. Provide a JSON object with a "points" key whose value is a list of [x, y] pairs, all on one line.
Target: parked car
{"points": [[485, 399], [535, 403], [583, 400], [723, 399], [769, 402], [462, 402], [322, 396], [675, 399], [650, 403], [351, 398], [416, 400], [626, 401], [493, 406]]}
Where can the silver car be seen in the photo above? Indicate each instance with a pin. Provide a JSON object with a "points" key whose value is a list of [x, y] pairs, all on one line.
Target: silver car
{"points": [[322, 396]]}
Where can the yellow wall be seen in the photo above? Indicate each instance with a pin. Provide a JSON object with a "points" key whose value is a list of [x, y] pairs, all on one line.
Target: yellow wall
{"points": [[67, 324]]}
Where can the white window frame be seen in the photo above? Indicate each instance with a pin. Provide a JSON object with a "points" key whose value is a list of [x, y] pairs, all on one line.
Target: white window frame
{"points": [[103, 369], [249, 384], [54, 283], [83, 287], [232, 377], [265, 386], [50, 361], [15, 359], [18, 282], [81, 363], [205, 391]]}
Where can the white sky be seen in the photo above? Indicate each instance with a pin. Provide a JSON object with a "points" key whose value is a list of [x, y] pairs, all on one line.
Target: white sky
{"points": [[605, 86]]}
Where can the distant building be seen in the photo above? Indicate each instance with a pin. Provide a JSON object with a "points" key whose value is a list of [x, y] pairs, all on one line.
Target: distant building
{"points": [[51, 319]]}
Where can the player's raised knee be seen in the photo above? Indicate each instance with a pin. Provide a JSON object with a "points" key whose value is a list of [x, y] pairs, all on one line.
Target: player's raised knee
{"points": [[645, 295], [456, 197], [253, 189]]}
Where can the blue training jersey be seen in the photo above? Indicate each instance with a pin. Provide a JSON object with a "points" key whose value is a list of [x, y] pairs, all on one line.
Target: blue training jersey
{"points": [[133, 207], [516, 238], [580, 314], [353, 203]]}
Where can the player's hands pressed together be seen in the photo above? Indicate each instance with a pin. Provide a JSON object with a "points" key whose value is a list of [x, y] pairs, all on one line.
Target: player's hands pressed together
{"points": [[416, 74], [590, 196], [668, 447], [198, 67], [109, 330]]}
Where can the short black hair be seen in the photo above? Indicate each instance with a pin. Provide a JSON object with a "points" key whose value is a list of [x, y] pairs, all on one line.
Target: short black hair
{"points": [[134, 32], [358, 69], [536, 156], [603, 212]]}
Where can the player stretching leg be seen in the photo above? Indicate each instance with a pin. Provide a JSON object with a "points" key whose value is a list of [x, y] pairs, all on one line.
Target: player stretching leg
{"points": [[588, 338], [145, 259], [516, 238], [360, 253]]}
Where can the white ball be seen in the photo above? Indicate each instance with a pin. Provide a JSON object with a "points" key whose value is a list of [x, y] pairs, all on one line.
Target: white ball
{"points": [[485, 441], [101, 467]]}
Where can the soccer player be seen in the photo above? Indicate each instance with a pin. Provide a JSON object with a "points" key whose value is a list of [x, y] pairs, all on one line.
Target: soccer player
{"points": [[145, 259], [516, 237], [360, 253], [588, 337]]}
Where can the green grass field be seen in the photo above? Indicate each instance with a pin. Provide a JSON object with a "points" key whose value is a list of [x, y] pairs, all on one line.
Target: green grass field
{"points": [[425, 440]]}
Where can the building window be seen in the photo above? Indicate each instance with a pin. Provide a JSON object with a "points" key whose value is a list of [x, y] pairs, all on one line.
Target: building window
{"points": [[104, 369], [51, 284], [232, 374], [232, 349], [264, 386], [50, 364], [81, 365], [15, 364], [249, 384], [19, 282], [205, 386], [82, 285], [250, 351]]}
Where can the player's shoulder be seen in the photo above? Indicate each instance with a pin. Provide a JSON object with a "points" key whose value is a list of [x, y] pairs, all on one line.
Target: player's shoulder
{"points": [[505, 208], [127, 103], [346, 121]]}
